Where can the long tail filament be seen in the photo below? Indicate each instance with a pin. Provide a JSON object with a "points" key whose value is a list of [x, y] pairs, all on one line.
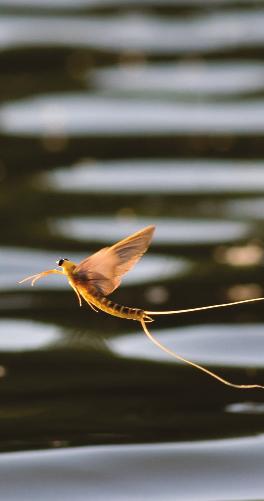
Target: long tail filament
{"points": [[193, 364], [200, 308]]}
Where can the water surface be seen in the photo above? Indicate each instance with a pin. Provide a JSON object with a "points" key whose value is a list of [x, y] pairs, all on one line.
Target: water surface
{"points": [[115, 115]]}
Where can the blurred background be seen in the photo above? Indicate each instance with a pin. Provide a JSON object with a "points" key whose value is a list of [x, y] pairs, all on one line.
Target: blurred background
{"points": [[116, 114]]}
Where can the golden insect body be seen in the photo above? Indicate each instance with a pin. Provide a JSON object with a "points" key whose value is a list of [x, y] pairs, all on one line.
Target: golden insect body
{"points": [[100, 274]]}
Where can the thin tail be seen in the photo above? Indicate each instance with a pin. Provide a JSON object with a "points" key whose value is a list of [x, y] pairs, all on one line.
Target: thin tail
{"points": [[200, 308], [193, 364]]}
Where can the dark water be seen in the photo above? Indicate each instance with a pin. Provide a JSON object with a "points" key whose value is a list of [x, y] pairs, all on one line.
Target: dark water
{"points": [[115, 115]]}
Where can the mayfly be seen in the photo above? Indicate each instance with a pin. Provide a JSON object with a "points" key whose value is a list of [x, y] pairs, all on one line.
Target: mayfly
{"points": [[100, 274]]}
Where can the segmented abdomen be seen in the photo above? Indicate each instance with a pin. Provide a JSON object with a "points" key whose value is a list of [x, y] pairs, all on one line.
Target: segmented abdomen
{"points": [[117, 310], [108, 306]]}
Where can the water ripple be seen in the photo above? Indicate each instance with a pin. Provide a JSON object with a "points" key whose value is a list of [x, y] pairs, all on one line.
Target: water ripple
{"points": [[206, 33], [68, 4], [158, 176], [25, 335], [168, 231], [188, 78], [248, 209], [217, 470], [225, 345], [81, 115]]}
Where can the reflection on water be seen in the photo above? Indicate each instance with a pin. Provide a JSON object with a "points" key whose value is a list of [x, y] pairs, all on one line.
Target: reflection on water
{"points": [[157, 176], [25, 335], [137, 32], [164, 471], [81, 115], [188, 78], [225, 345], [246, 408], [248, 209], [169, 232], [115, 115], [67, 4]]}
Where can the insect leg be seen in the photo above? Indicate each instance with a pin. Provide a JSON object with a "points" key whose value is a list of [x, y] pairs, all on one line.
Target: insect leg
{"points": [[77, 293], [92, 306]]}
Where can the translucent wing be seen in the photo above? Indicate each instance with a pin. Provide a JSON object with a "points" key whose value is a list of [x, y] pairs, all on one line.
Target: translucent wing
{"points": [[105, 268]]}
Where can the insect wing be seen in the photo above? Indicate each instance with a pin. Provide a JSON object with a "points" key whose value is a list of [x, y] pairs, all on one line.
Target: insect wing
{"points": [[105, 268]]}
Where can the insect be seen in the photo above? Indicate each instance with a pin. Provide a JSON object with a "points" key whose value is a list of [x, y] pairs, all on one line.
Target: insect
{"points": [[100, 274]]}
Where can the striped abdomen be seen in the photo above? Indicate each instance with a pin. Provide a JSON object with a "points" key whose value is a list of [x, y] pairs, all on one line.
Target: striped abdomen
{"points": [[115, 309]]}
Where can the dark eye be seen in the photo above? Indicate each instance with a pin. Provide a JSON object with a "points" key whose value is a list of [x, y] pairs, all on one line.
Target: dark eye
{"points": [[61, 261]]}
